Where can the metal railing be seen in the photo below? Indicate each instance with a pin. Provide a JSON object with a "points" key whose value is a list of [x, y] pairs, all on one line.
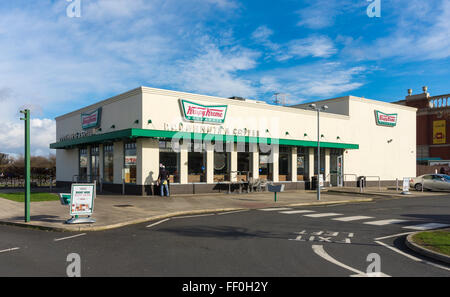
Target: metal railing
{"points": [[379, 180], [19, 182], [351, 174], [85, 178], [337, 180]]}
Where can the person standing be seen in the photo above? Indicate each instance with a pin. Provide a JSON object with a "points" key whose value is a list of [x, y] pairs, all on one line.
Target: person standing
{"points": [[163, 180]]}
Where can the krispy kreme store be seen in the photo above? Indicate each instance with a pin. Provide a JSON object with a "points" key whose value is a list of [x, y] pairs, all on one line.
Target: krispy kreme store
{"points": [[207, 143]]}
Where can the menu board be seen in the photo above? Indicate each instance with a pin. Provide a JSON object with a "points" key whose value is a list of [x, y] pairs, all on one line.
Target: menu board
{"points": [[82, 202]]}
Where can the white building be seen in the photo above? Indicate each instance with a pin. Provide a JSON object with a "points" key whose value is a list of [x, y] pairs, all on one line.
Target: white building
{"points": [[124, 139]]}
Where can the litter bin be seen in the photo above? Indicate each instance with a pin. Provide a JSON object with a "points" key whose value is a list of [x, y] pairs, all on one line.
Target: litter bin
{"points": [[361, 182], [313, 185]]}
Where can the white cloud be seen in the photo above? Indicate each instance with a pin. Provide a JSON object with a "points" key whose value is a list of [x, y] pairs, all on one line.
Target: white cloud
{"points": [[215, 72], [421, 32], [42, 133], [317, 46], [314, 80]]}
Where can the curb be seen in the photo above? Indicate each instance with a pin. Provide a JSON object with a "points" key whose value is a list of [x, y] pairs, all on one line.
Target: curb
{"points": [[393, 196], [425, 252], [166, 216]]}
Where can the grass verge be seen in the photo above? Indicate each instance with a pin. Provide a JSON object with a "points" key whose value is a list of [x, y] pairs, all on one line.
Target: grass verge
{"points": [[438, 241], [35, 197]]}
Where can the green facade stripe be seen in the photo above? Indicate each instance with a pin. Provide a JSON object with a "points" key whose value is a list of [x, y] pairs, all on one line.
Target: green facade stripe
{"points": [[135, 133]]}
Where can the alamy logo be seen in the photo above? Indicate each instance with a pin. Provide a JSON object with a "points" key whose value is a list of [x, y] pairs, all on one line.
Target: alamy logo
{"points": [[74, 268], [74, 9], [374, 9]]}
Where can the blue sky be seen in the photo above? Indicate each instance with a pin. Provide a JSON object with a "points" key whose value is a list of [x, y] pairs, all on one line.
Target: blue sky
{"points": [[312, 49]]}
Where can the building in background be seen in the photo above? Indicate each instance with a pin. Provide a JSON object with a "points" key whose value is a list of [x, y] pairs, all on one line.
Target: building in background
{"points": [[433, 129], [208, 142]]}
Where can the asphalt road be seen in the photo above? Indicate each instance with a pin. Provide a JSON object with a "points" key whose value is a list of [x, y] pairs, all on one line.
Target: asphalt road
{"points": [[333, 240]]}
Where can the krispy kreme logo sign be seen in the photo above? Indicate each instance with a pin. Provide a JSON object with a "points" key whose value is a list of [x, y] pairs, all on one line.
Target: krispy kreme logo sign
{"points": [[384, 119], [91, 119], [201, 113]]}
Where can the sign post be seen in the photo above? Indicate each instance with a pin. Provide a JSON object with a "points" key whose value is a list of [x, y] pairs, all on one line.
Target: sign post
{"points": [[82, 203]]}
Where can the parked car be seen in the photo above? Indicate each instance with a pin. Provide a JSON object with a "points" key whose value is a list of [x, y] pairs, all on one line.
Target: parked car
{"points": [[432, 182]]}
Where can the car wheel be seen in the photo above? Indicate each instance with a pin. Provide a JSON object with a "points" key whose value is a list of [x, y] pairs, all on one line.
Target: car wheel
{"points": [[418, 187]]}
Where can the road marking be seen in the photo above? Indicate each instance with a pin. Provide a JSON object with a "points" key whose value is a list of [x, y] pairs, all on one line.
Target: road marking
{"points": [[321, 215], [229, 212], [385, 222], [157, 223], [410, 256], [195, 216], [296, 211], [69, 237], [428, 226], [10, 250], [353, 218], [318, 249], [394, 235], [275, 208]]}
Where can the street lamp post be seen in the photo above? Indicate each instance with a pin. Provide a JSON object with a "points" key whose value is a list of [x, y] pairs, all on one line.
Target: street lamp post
{"points": [[26, 118], [318, 109]]}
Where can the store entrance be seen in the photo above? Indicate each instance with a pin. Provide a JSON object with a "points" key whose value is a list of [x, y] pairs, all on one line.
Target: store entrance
{"points": [[336, 167]]}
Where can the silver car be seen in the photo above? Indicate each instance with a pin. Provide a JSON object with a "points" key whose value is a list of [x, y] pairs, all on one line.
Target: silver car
{"points": [[432, 182]]}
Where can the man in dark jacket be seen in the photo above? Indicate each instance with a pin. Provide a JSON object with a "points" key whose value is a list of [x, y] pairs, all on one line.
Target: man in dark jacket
{"points": [[163, 180]]}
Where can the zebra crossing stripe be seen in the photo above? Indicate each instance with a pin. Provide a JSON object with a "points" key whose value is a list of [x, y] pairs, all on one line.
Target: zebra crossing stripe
{"points": [[321, 215], [353, 218], [385, 222], [427, 226], [296, 211], [275, 208]]}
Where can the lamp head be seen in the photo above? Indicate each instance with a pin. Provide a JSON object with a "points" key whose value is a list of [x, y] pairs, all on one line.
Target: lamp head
{"points": [[313, 106]]}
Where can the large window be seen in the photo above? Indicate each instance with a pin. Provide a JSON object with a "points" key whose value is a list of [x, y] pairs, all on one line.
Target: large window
{"points": [[244, 161], [170, 159], [196, 162], [108, 163], [302, 163], [284, 157], [222, 161], [83, 165], [95, 163], [322, 161], [130, 162], [265, 162]]}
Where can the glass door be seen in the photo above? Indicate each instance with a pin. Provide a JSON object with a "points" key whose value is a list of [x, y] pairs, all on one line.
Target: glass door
{"points": [[340, 171]]}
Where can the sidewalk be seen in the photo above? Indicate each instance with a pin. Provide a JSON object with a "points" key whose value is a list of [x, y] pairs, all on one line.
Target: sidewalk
{"points": [[113, 211]]}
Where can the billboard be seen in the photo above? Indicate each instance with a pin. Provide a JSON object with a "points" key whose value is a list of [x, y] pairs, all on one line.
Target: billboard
{"points": [[439, 129]]}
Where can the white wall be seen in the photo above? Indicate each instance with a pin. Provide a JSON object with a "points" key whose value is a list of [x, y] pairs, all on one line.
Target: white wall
{"points": [[66, 164], [375, 156]]}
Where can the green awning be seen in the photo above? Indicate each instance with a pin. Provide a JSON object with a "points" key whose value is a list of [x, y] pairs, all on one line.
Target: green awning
{"points": [[136, 133]]}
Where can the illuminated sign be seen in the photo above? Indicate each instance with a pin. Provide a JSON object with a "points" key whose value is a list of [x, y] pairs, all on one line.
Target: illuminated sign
{"points": [[91, 119], [201, 113], [384, 119]]}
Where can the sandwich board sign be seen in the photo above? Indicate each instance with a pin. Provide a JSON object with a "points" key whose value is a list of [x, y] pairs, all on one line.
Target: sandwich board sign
{"points": [[82, 203]]}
